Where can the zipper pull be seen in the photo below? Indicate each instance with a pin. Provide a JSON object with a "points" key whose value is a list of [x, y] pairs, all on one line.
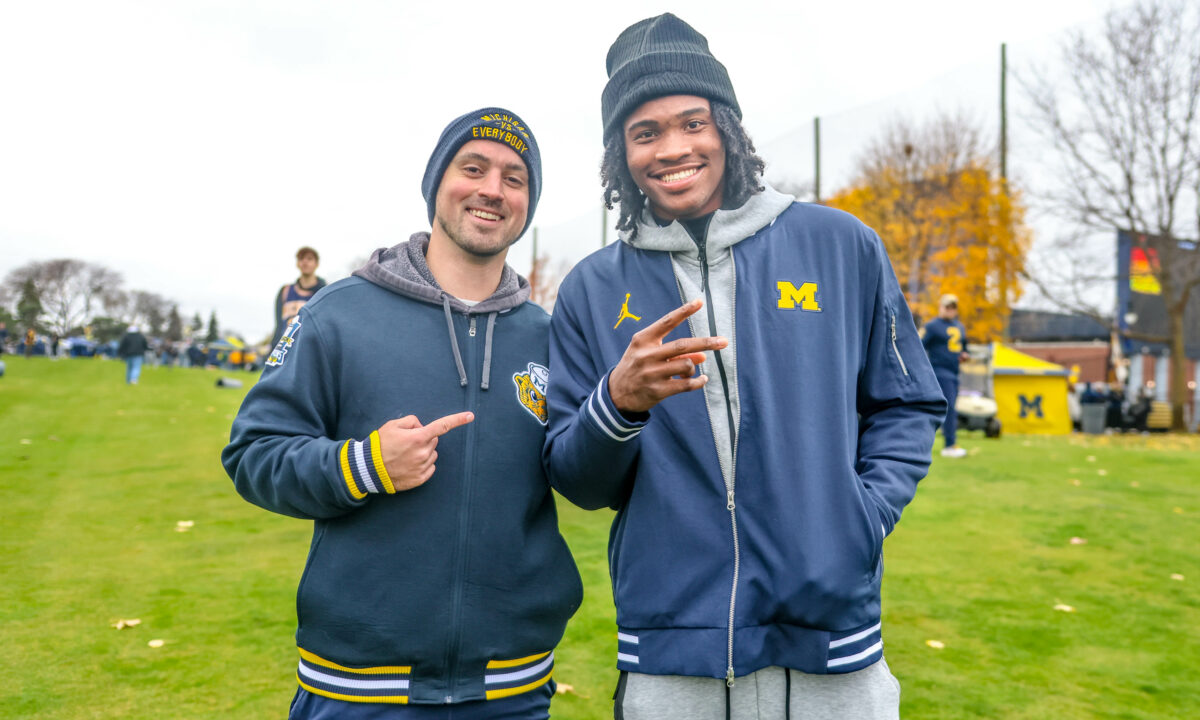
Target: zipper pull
{"points": [[471, 330], [729, 677], [729, 506]]}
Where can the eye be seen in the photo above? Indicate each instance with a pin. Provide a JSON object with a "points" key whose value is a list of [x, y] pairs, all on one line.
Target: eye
{"points": [[515, 180], [695, 124], [643, 135], [472, 170]]}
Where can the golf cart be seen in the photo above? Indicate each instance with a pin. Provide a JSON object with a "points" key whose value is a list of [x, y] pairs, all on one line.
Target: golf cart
{"points": [[976, 404]]}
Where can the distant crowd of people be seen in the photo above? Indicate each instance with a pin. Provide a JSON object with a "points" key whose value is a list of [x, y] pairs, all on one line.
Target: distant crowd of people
{"points": [[133, 344], [1123, 412]]}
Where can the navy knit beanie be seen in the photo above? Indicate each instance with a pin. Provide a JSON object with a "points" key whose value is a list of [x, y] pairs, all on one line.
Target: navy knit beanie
{"points": [[496, 124], [656, 57]]}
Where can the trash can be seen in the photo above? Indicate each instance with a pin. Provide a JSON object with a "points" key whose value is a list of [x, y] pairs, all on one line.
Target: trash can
{"points": [[1091, 419]]}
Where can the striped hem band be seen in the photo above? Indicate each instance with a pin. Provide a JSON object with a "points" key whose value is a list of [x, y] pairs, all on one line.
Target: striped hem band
{"points": [[504, 678], [385, 684], [627, 651], [362, 467], [855, 651], [390, 683]]}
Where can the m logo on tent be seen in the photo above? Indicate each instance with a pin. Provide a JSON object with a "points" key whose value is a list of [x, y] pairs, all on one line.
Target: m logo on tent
{"points": [[1031, 406]]}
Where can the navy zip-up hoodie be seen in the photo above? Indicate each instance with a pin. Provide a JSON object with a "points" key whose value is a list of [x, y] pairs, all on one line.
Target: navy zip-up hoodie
{"points": [[455, 590], [751, 514]]}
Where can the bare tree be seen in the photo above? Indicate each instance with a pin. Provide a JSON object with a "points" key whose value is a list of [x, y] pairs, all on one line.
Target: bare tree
{"points": [[544, 281], [1126, 131], [71, 292], [149, 310]]}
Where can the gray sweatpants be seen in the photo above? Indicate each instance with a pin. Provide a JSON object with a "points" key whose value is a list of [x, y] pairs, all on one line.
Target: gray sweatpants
{"points": [[868, 694]]}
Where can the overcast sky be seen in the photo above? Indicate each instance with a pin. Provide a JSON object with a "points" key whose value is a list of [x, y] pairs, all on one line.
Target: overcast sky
{"points": [[193, 146]]}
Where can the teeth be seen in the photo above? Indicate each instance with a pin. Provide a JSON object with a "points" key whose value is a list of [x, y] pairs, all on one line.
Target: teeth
{"points": [[672, 177], [484, 214]]}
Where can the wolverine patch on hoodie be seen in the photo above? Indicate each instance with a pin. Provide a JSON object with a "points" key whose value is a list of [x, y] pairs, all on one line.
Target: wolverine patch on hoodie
{"points": [[531, 390]]}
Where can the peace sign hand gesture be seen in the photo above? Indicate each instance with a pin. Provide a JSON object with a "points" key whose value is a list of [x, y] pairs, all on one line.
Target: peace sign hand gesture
{"points": [[650, 371]]}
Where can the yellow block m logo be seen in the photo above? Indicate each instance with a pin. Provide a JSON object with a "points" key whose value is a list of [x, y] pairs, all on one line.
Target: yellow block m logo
{"points": [[806, 296]]}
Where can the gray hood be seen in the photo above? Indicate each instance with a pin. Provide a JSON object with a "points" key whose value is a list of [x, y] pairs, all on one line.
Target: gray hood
{"points": [[727, 228], [402, 269]]}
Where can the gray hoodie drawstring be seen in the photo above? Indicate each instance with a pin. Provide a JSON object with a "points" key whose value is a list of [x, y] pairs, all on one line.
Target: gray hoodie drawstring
{"points": [[462, 373], [487, 351]]}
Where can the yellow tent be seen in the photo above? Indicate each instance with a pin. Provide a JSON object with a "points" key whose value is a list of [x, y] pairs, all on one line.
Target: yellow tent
{"points": [[1031, 394]]}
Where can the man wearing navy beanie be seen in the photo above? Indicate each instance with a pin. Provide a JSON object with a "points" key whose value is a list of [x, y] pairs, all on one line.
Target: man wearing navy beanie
{"points": [[759, 441], [404, 412]]}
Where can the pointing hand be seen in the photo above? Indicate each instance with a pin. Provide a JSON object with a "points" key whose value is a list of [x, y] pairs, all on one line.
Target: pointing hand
{"points": [[409, 449]]}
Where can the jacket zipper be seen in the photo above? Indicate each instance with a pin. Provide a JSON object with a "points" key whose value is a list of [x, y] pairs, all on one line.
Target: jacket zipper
{"points": [[896, 348], [730, 483], [464, 522]]}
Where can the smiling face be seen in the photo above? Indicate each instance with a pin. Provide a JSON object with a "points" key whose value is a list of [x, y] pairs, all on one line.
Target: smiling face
{"points": [[676, 156], [483, 199]]}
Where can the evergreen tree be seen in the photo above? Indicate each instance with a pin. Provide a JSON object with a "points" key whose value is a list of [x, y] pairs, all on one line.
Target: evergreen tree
{"points": [[29, 306], [174, 325], [214, 330], [197, 324]]}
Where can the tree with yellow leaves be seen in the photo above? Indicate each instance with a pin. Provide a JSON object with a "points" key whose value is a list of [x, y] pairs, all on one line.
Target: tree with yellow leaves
{"points": [[949, 223]]}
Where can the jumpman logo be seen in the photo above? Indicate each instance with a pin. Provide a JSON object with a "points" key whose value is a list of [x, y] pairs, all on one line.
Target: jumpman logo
{"points": [[625, 313]]}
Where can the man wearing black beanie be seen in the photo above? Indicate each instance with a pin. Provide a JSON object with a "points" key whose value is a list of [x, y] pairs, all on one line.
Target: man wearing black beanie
{"points": [[404, 412], [752, 498]]}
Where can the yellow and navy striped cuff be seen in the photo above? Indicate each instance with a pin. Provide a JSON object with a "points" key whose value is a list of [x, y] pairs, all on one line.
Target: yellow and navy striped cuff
{"points": [[390, 683], [362, 467]]}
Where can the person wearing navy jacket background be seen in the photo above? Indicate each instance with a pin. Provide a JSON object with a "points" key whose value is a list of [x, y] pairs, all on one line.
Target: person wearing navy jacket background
{"points": [[753, 498], [945, 339]]}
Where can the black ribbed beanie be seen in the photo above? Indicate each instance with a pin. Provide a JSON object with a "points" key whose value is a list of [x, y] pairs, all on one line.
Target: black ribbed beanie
{"points": [[495, 124], [656, 57]]}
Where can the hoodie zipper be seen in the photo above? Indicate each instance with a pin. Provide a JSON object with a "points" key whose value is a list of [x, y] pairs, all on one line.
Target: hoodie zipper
{"points": [[896, 348], [453, 646], [730, 483]]}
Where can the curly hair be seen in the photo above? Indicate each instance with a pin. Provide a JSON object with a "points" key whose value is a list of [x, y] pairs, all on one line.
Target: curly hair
{"points": [[743, 170]]}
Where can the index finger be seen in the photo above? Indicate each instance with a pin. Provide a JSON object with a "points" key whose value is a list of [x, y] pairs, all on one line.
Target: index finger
{"points": [[665, 324], [441, 426]]}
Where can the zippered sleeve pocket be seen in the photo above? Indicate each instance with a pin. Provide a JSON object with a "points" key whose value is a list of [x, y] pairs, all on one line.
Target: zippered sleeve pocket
{"points": [[895, 343]]}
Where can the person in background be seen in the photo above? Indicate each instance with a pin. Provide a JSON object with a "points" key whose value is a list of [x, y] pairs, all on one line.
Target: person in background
{"points": [[945, 340], [30, 339], [132, 349], [292, 297], [3, 336]]}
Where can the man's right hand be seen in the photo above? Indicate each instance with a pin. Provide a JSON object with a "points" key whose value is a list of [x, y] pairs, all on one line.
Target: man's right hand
{"points": [[409, 449], [650, 371]]}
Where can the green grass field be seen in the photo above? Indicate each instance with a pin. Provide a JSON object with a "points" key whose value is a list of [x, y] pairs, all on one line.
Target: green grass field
{"points": [[95, 477]]}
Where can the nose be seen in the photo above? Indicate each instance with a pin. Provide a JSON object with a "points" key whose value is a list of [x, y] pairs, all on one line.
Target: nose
{"points": [[491, 185], [674, 145]]}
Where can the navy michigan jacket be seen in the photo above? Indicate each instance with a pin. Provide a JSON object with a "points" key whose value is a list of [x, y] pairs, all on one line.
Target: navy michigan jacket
{"points": [[751, 514]]}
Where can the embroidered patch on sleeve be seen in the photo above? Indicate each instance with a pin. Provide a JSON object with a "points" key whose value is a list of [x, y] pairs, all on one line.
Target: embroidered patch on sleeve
{"points": [[285, 343], [531, 390]]}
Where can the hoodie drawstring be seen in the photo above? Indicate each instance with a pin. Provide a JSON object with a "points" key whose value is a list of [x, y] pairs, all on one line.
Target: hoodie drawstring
{"points": [[487, 351], [462, 373], [487, 346]]}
